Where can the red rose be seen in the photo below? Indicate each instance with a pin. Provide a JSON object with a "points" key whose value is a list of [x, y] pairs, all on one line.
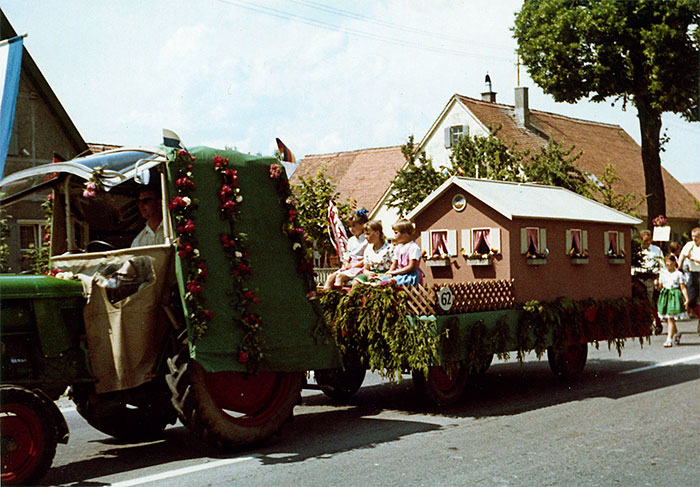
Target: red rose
{"points": [[194, 287], [189, 226], [208, 315], [242, 356]]}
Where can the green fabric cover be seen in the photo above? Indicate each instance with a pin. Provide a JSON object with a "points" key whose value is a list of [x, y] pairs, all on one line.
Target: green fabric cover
{"points": [[289, 319]]}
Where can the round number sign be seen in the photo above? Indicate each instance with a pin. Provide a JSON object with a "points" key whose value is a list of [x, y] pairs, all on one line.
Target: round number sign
{"points": [[445, 298]]}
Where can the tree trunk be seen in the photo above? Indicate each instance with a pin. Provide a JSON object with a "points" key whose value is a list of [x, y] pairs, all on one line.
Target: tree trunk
{"points": [[650, 128]]}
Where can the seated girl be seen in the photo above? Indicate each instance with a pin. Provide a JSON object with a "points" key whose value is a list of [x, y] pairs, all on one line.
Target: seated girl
{"points": [[378, 254], [404, 268], [353, 257]]}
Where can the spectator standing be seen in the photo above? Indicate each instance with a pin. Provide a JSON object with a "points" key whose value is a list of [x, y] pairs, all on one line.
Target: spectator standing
{"points": [[690, 254]]}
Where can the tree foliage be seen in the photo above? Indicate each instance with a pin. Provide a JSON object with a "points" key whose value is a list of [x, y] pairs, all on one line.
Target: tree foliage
{"points": [[554, 166], [415, 181], [603, 191], [4, 244], [487, 158], [313, 196], [643, 52]]}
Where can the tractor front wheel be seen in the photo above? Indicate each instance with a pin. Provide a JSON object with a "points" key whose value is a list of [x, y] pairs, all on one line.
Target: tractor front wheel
{"points": [[232, 409], [28, 436]]}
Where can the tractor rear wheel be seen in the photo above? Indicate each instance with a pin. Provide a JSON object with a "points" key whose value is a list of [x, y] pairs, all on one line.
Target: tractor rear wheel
{"points": [[132, 415], [444, 385], [232, 409], [28, 436]]}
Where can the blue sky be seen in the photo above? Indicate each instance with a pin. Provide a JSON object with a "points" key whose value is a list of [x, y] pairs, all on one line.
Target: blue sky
{"points": [[323, 76]]}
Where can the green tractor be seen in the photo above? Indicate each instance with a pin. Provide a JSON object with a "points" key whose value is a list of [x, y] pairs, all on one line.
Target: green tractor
{"points": [[214, 322]]}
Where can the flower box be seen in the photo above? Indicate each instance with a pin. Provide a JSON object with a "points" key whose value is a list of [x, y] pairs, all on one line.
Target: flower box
{"points": [[579, 260], [480, 260], [616, 260], [438, 262], [536, 261]]}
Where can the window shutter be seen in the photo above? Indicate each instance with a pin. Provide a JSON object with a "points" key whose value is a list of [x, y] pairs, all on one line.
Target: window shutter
{"points": [[568, 241], [543, 241], [584, 240], [605, 242], [495, 234], [425, 242], [452, 243], [523, 241], [448, 138], [465, 130], [467, 240], [621, 241]]}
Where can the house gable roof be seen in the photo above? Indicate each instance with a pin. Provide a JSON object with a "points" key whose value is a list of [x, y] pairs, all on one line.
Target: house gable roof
{"points": [[600, 144], [361, 175], [527, 200], [32, 71]]}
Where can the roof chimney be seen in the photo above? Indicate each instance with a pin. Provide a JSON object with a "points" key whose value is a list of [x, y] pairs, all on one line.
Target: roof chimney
{"points": [[488, 95], [522, 109]]}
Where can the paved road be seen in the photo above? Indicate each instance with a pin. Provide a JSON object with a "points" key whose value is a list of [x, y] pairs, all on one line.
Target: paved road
{"points": [[632, 421]]}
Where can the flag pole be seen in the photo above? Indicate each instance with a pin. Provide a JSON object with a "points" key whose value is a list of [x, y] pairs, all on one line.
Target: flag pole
{"points": [[13, 39]]}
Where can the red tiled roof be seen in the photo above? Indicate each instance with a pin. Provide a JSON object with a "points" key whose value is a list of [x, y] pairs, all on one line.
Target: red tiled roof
{"points": [[362, 175], [694, 189], [96, 148], [601, 144]]}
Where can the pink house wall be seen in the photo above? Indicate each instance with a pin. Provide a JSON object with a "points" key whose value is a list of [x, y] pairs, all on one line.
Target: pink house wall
{"points": [[557, 278]]}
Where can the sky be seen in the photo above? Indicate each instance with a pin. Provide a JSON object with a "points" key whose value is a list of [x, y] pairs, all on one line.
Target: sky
{"points": [[324, 76]]}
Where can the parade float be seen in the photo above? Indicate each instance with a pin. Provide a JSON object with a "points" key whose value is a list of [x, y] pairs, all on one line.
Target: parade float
{"points": [[221, 323]]}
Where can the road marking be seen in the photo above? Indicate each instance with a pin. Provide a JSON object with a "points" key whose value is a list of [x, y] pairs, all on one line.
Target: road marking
{"points": [[663, 364], [182, 471]]}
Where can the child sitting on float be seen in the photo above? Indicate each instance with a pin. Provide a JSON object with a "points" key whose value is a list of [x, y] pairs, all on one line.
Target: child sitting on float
{"points": [[353, 258], [405, 268], [378, 254]]}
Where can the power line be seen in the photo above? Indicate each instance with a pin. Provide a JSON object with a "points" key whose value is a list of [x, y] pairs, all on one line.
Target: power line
{"points": [[281, 14], [393, 25]]}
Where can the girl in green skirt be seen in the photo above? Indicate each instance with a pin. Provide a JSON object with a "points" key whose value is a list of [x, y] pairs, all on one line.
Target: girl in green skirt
{"points": [[673, 299]]}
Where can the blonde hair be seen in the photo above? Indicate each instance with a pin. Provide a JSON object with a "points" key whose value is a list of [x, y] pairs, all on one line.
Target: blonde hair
{"points": [[375, 226], [357, 219], [403, 226]]}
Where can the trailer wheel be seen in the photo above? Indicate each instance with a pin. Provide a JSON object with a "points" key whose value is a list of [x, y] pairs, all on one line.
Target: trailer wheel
{"points": [[342, 383], [444, 385], [28, 436], [568, 363], [132, 415], [232, 409]]}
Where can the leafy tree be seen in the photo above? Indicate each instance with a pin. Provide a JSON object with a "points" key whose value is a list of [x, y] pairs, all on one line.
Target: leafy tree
{"points": [[645, 52], [554, 165], [414, 182], [602, 190], [487, 157], [4, 245], [313, 196]]}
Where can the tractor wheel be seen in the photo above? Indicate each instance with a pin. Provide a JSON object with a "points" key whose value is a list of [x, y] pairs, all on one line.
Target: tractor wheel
{"points": [[132, 415], [444, 385], [568, 363], [28, 436], [232, 409], [342, 383]]}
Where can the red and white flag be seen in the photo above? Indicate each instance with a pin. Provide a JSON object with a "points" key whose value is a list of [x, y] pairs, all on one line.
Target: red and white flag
{"points": [[339, 237]]}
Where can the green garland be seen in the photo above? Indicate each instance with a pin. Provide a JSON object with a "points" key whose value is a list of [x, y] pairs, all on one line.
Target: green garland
{"points": [[372, 324]]}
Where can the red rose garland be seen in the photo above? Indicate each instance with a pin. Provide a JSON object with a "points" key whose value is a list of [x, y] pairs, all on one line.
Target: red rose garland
{"points": [[182, 207], [250, 350]]}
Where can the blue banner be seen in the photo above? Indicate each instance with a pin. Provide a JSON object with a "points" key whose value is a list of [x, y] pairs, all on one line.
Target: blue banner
{"points": [[10, 66]]}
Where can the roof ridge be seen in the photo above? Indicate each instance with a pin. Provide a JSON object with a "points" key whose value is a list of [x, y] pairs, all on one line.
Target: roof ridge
{"points": [[353, 151], [558, 115]]}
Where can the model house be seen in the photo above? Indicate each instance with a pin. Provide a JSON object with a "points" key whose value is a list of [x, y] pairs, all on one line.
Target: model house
{"points": [[550, 241]]}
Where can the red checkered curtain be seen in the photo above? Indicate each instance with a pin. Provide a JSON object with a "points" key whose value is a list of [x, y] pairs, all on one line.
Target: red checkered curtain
{"points": [[533, 240], [439, 243], [576, 241], [482, 241], [612, 243]]}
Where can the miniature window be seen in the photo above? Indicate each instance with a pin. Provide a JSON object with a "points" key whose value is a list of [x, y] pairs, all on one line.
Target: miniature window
{"points": [[481, 241], [614, 243], [533, 241], [577, 243], [439, 243]]}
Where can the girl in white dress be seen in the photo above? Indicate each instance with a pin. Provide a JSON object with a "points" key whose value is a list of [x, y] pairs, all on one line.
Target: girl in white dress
{"points": [[354, 255], [673, 299]]}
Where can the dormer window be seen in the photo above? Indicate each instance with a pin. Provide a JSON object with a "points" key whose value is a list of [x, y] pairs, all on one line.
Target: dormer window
{"points": [[454, 133]]}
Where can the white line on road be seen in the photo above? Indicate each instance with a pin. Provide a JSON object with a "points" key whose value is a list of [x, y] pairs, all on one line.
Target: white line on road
{"points": [[663, 364], [182, 471]]}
